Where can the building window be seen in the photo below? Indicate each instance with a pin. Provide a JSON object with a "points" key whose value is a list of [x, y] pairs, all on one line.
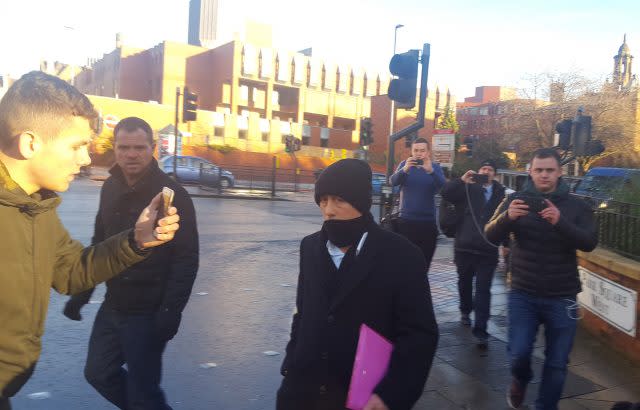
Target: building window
{"points": [[265, 136], [324, 137], [306, 140], [242, 134], [218, 132]]}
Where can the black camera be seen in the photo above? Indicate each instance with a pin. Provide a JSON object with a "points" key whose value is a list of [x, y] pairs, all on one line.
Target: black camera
{"points": [[480, 178], [418, 161], [536, 203]]}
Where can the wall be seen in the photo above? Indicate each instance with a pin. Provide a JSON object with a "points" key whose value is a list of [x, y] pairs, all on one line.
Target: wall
{"points": [[625, 272]]}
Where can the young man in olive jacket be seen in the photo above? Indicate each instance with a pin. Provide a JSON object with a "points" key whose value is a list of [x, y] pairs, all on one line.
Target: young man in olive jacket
{"points": [[143, 306], [45, 129], [474, 255], [546, 226], [352, 272]]}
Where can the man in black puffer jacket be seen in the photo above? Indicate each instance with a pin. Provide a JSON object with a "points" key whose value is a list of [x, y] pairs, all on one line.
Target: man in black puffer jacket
{"points": [[545, 280], [475, 256]]}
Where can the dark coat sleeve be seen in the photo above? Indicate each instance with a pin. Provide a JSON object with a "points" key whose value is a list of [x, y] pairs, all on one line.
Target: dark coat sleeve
{"points": [[454, 191], [184, 256], [416, 337], [82, 298], [296, 318], [583, 234]]}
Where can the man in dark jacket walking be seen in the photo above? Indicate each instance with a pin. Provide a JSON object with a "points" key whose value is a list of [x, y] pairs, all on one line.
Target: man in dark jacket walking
{"points": [[419, 179], [45, 129], [546, 226], [474, 254], [352, 272], [143, 306]]}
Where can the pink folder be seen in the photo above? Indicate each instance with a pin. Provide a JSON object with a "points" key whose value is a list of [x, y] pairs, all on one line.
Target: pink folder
{"points": [[369, 367]]}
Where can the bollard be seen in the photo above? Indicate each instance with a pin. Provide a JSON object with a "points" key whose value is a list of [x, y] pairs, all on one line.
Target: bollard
{"points": [[273, 177], [219, 180]]}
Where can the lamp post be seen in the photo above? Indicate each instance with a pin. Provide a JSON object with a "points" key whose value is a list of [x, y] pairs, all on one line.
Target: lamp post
{"points": [[393, 104]]}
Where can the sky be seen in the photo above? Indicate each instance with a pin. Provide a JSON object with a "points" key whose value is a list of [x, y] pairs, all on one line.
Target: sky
{"points": [[473, 43]]}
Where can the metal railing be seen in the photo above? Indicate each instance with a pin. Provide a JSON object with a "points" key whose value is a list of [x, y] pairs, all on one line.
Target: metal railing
{"points": [[618, 222], [618, 226]]}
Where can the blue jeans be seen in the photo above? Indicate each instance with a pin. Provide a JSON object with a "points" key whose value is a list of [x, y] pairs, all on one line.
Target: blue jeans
{"points": [[526, 313], [117, 339]]}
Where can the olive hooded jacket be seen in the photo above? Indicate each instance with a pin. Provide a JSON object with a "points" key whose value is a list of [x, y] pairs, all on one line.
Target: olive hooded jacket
{"points": [[36, 254]]}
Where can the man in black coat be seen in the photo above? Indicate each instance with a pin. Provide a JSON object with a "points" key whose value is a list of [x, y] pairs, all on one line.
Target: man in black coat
{"points": [[352, 272], [474, 254], [143, 306], [546, 226]]}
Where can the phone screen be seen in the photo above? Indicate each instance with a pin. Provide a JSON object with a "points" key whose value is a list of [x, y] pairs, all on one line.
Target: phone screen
{"points": [[167, 200]]}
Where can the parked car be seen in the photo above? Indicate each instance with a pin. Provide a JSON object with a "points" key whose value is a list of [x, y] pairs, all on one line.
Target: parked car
{"points": [[378, 179], [188, 170], [617, 184]]}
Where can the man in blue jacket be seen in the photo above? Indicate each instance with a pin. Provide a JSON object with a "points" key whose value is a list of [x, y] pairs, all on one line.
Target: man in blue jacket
{"points": [[419, 179]]}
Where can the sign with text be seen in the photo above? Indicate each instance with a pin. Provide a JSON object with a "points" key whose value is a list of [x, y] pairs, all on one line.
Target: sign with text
{"points": [[614, 303], [444, 144]]}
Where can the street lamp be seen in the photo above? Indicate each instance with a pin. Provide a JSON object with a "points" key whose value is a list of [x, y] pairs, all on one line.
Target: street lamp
{"points": [[393, 104]]}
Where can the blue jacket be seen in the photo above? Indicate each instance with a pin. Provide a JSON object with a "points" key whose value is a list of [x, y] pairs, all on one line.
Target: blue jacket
{"points": [[417, 191]]}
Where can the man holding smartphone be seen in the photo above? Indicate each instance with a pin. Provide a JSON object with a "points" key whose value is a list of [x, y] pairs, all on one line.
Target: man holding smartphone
{"points": [[476, 196], [420, 179], [544, 274], [46, 126], [142, 307]]}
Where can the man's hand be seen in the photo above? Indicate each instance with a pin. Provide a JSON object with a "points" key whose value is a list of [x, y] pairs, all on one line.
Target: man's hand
{"points": [[428, 165], [517, 208], [375, 403], [551, 213], [410, 162], [147, 235], [467, 178]]}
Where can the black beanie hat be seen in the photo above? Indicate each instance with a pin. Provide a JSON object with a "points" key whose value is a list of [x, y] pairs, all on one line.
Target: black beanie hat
{"points": [[489, 163], [350, 179]]}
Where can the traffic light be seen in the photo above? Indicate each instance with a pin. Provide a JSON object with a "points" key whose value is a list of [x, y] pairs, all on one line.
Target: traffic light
{"points": [[408, 140], [189, 106], [402, 90], [366, 134], [594, 147], [564, 133], [292, 144], [581, 133]]}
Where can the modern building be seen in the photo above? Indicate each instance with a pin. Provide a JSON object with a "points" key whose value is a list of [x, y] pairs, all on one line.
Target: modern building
{"points": [[203, 22]]}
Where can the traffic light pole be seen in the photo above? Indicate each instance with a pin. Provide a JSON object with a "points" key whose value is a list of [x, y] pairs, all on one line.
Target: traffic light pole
{"points": [[175, 136], [422, 102]]}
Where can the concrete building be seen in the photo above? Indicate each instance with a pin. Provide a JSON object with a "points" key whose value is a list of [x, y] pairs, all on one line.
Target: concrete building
{"points": [[203, 22]]}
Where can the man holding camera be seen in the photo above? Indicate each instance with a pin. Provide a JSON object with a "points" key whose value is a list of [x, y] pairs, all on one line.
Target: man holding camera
{"points": [[546, 226], [476, 197], [419, 179]]}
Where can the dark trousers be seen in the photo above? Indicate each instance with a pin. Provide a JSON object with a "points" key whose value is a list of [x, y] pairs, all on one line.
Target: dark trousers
{"points": [[117, 339], [5, 404], [482, 268], [423, 234]]}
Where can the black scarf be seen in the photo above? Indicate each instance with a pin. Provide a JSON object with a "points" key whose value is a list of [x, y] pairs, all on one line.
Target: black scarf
{"points": [[348, 232]]}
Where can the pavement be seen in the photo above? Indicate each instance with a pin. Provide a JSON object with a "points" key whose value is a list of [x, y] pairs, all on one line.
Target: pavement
{"points": [[236, 325]]}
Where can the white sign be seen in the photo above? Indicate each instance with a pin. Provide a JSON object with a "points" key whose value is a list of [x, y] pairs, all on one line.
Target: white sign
{"points": [[444, 142], [612, 302], [444, 145]]}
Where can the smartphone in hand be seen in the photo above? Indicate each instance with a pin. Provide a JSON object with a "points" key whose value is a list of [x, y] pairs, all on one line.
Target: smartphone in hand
{"points": [[167, 200], [481, 179]]}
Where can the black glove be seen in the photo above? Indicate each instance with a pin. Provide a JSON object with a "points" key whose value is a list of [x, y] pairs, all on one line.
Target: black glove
{"points": [[167, 323], [75, 303]]}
